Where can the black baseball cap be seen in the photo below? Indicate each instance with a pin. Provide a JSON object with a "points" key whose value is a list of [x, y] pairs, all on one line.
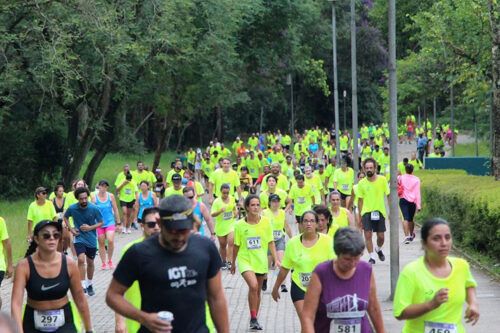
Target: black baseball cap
{"points": [[177, 220], [42, 224], [103, 182], [176, 177], [41, 189], [274, 196]]}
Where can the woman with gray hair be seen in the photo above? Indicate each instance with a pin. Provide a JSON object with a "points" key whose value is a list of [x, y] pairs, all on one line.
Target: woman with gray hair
{"points": [[342, 292]]}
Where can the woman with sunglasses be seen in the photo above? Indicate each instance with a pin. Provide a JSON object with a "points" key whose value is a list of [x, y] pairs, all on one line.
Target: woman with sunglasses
{"points": [[253, 236], [39, 210], [47, 275]]}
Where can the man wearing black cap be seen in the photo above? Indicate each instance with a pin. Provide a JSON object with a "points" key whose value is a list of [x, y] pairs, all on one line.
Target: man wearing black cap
{"points": [[177, 186], [177, 271]]}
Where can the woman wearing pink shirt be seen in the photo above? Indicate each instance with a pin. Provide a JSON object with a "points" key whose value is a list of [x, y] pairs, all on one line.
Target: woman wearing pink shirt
{"points": [[409, 201]]}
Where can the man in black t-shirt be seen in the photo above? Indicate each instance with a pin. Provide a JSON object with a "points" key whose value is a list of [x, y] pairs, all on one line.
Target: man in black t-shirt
{"points": [[177, 271]]}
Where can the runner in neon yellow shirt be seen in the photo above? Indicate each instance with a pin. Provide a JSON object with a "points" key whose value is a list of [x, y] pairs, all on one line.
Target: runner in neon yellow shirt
{"points": [[286, 202], [344, 142], [253, 236], [341, 217], [253, 165], [329, 173], [303, 252], [223, 176], [315, 182], [417, 164], [140, 174], [39, 210], [372, 190], [126, 191], [302, 196], [282, 179], [343, 180], [225, 213], [280, 226], [6, 267], [431, 290]]}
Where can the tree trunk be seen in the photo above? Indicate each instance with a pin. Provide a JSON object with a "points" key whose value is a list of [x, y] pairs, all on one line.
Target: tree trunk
{"points": [[181, 135], [89, 133], [200, 128], [160, 145], [495, 107], [220, 132]]}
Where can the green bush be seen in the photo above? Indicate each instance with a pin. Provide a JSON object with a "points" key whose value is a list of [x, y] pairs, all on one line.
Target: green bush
{"points": [[471, 204]]}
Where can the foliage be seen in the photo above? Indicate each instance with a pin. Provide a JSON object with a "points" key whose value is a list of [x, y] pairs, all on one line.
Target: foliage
{"points": [[469, 203]]}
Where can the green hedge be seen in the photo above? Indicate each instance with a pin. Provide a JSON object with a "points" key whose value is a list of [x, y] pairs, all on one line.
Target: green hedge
{"points": [[471, 204]]}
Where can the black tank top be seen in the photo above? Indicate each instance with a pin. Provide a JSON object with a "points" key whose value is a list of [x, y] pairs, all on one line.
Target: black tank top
{"points": [[61, 209], [42, 289]]}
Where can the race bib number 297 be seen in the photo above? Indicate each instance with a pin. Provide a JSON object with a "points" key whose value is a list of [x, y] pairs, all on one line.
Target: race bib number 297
{"points": [[49, 321]]}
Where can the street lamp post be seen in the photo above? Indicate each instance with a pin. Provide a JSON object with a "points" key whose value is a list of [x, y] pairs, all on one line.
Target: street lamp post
{"points": [[335, 83], [289, 82], [354, 82], [345, 115]]}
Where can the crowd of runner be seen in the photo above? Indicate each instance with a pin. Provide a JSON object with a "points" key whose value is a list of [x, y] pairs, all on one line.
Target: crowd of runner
{"points": [[271, 202]]}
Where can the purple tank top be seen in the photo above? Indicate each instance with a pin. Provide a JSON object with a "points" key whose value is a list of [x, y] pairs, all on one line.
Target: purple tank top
{"points": [[343, 303]]}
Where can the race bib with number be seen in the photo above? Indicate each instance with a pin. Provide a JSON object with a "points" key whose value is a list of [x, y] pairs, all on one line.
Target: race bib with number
{"points": [[128, 191], [252, 170], [50, 320], [253, 243], [375, 216], [345, 187], [345, 325], [277, 234], [305, 278], [432, 327], [301, 200], [157, 189], [227, 215]]}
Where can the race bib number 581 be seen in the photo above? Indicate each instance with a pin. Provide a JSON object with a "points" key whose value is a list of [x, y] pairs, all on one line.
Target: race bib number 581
{"points": [[345, 325]]}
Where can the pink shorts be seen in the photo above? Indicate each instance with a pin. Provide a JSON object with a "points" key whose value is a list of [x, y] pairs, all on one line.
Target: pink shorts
{"points": [[102, 231]]}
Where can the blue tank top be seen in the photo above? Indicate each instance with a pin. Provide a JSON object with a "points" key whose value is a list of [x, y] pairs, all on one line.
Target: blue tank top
{"points": [[106, 210], [144, 204], [197, 211]]}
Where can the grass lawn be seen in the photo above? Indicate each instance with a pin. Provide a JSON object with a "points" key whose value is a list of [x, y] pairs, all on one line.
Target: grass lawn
{"points": [[469, 149], [14, 212]]}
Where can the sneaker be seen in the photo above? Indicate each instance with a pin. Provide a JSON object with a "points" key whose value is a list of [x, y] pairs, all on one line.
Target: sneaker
{"points": [[372, 261], [90, 290], [84, 290], [254, 324], [407, 240], [412, 236], [129, 231], [135, 225], [228, 265], [381, 255], [104, 266], [110, 264], [283, 289], [224, 266], [264, 285]]}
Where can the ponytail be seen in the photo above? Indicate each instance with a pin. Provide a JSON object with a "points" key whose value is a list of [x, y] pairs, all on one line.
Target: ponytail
{"points": [[31, 248]]}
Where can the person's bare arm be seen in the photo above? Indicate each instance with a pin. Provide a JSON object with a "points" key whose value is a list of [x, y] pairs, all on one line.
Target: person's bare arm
{"points": [[327, 179], [116, 212], [272, 248], [77, 293], [311, 301], [360, 205], [374, 310], [155, 199], [16, 301], [208, 219], [117, 302], [30, 227], [350, 219], [287, 229], [217, 303], [236, 248], [210, 193], [279, 280], [472, 312], [416, 310], [8, 253]]}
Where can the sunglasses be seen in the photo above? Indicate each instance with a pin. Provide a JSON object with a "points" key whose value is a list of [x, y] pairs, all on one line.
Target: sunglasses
{"points": [[150, 224], [191, 197], [44, 193], [48, 235]]}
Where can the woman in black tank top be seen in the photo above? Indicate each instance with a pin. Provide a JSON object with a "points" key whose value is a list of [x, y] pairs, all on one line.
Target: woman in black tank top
{"points": [[47, 275]]}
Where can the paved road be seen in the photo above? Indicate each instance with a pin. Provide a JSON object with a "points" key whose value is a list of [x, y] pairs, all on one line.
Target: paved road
{"points": [[281, 317]]}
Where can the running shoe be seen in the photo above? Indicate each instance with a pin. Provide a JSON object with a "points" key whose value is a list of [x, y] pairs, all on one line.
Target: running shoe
{"points": [[224, 266], [254, 325], [84, 290], [264, 285], [104, 266], [90, 290], [129, 231], [283, 289], [110, 264], [381, 255], [412, 236], [407, 240], [135, 225], [372, 261], [228, 265]]}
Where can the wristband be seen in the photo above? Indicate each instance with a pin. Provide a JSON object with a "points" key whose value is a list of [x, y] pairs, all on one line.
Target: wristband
{"points": [[213, 233]]}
